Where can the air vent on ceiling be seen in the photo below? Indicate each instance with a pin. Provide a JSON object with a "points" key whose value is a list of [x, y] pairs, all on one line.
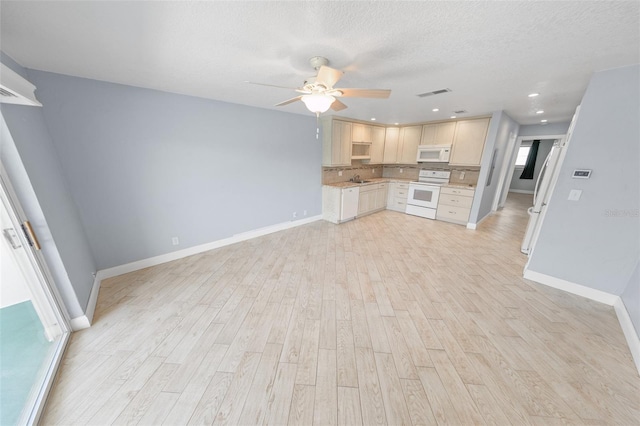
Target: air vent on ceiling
{"points": [[14, 89], [435, 92], [460, 111], [5, 93]]}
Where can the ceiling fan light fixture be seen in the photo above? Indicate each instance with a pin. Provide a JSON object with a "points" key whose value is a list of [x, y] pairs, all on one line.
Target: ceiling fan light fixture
{"points": [[318, 103]]}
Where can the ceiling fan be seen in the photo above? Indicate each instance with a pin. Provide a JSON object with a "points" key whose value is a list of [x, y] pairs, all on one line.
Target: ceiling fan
{"points": [[318, 93]]}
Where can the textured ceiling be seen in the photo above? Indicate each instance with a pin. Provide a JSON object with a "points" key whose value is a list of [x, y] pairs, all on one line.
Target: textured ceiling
{"points": [[490, 54]]}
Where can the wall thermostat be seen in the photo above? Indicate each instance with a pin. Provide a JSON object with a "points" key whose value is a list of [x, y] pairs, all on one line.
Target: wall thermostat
{"points": [[581, 174]]}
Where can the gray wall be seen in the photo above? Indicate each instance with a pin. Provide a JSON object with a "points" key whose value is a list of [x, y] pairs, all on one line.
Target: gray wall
{"points": [[529, 184], [144, 166], [503, 130], [594, 241], [631, 298], [546, 129], [33, 167]]}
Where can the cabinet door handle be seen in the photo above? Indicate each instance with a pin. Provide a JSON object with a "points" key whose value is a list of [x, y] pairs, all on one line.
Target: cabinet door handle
{"points": [[452, 212]]}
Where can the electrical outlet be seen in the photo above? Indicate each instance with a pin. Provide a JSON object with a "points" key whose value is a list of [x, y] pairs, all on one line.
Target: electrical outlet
{"points": [[304, 213], [373, 171], [461, 175], [175, 241], [401, 171], [295, 214], [339, 172]]}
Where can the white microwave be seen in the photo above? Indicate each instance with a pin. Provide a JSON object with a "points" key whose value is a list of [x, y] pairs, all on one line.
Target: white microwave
{"points": [[433, 153]]}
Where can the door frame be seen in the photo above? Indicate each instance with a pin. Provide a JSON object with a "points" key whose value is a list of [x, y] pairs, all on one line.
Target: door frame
{"points": [[509, 166], [48, 293]]}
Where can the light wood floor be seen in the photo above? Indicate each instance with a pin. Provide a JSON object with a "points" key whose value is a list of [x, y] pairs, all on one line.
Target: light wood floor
{"points": [[389, 319]]}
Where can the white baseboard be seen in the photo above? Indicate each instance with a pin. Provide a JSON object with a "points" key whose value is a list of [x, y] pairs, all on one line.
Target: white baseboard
{"points": [[475, 225], [629, 331], [179, 254], [630, 334], [569, 287], [80, 323], [521, 191]]}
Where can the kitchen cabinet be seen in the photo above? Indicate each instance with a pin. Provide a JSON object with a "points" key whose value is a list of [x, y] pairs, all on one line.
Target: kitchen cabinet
{"points": [[397, 196], [339, 204], [372, 197], [391, 140], [468, 142], [336, 142], [408, 144], [401, 145], [438, 134], [377, 145], [361, 133], [454, 204]]}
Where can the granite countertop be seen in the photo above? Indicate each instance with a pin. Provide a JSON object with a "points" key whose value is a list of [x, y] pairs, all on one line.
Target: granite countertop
{"points": [[370, 181]]}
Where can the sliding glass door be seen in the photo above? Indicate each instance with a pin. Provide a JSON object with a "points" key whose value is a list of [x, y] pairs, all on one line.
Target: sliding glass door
{"points": [[33, 327]]}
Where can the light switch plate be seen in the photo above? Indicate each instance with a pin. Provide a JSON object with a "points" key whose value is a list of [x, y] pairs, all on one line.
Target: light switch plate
{"points": [[574, 194]]}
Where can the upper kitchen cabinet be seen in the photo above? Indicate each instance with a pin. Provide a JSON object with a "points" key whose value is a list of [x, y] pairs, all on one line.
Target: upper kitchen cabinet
{"points": [[408, 145], [401, 145], [468, 142], [377, 144], [336, 142], [391, 140], [361, 133], [438, 134]]}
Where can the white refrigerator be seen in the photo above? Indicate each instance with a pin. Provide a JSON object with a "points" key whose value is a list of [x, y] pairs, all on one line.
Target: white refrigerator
{"points": [[544, 188]]}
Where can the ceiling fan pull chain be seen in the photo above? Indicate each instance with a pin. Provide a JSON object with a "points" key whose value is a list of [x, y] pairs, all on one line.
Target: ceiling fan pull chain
{"points": [[317, 125]]}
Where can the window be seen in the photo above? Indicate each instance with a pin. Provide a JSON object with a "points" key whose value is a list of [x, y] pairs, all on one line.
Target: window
{"points": [[523, 153]]}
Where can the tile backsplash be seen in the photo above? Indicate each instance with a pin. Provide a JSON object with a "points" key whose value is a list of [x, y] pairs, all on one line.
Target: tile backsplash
{"points": [[366, 171], [459, 175]]}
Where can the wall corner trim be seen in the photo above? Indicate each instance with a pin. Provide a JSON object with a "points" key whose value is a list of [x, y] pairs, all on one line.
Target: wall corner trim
{"points": [[569, 287], [629, 331], [179, 254], [474, 226]]}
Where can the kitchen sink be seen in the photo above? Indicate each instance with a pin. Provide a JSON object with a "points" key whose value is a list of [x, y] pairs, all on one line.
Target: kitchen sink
{"points": [[361, 181]]}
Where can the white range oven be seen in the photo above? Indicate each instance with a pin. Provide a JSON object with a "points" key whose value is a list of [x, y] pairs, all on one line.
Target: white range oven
{"points": [[423, 195]]}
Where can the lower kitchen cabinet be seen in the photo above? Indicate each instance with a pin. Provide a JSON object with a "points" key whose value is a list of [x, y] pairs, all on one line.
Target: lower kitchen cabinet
{"points": [[397, 196], [339, 204], [373, 197], [454, 204]]}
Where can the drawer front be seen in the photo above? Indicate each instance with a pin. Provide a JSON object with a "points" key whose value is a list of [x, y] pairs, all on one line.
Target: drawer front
{"points": [[457, 214], [398, 204], [457, 191], [455, 200], [402, 185], [402, 193]]}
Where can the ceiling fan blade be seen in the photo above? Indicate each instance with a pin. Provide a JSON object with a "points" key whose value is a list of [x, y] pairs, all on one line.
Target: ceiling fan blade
{"points": [[289, 101], [338, 106], [271, 85], [328, 76], [364, 93]]}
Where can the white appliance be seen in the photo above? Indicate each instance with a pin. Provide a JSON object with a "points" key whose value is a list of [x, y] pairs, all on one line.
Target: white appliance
{"points": [[349, 205], [433, 153], [423, 195], [544, 188]]}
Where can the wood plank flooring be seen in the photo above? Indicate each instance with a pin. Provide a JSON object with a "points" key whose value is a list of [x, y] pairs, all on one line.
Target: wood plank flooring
{"points": [[389, 319]]}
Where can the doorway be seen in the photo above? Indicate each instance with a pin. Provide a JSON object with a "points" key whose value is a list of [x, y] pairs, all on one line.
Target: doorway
{"points": [[34, 327]]}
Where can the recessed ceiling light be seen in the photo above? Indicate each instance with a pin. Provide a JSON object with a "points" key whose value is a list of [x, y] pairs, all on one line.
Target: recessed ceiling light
{"points": [[453, 116], [540, 112], [543, 121], [373, 119], [395, 124], [435, 110], [533, 95]]}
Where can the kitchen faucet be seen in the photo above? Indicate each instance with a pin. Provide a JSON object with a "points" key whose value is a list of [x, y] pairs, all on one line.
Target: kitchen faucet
{"points": [[355, 178]]}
